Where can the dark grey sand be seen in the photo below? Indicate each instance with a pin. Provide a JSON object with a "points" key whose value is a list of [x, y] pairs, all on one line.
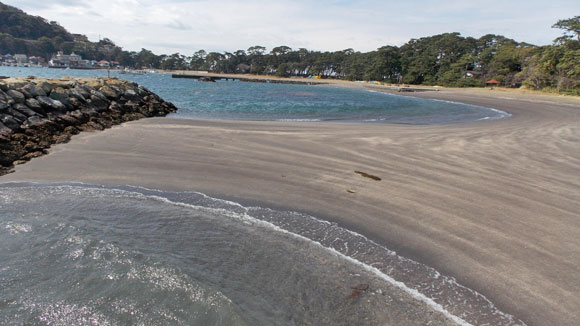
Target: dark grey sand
{"points": [[494, 203]]}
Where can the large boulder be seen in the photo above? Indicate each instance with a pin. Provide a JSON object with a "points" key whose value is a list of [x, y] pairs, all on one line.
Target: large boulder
{"points": [[49, 104], [83, 90], [5, 101], [34, 122], [25, 110], [49, 85], [131, 95], [75, 93], [34, 105], [16, 115], [62, 95], [4, 131], [9, 121], [33, 90], [3, 105], [17, 96], [79, 115], [99, 95], [99, 101], [76, 103], [58, 105], [111, 92]]}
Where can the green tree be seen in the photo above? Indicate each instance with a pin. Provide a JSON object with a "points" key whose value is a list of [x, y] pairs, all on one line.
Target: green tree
{"points": [[282, 70], [255, 57], [197, 60], [256, 50], [147, 59], [212, 62], [383, 65], [281, 50], [571, 29], [354, 66], [175, 61]]}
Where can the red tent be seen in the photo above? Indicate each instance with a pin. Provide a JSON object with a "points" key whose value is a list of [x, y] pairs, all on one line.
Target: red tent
{"points": [[492, 82]]}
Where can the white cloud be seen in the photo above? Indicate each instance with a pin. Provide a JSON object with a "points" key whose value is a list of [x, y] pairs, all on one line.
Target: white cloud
{"points": [[227, 25]]}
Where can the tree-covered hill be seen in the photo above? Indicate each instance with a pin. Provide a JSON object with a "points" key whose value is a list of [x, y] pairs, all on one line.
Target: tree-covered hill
{"points": [[21, 33], [19, 24]]}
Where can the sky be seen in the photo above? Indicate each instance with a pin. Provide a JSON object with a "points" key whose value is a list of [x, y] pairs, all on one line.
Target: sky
{"points": [[186, 26]]}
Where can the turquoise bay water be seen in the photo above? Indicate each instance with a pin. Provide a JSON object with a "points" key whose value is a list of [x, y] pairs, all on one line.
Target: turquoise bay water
{"points": [[258, 101]]}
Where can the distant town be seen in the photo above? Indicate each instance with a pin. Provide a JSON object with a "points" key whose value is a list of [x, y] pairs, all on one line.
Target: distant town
{"points": [[59, 60]]}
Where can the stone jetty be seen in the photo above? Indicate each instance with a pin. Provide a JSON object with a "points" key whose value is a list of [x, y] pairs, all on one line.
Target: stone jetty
{"points": [[36, 113], [207, 77]]}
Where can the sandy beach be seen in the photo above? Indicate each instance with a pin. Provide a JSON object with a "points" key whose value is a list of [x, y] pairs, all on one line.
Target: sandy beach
{"points": [[495, 204]]}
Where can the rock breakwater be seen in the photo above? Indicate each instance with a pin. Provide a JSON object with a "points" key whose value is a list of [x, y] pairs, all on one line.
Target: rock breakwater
{"points": [[36, 113]]}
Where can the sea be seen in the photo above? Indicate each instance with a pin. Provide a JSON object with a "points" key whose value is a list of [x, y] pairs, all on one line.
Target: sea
{"points": [[236, 100], [83, 254]]}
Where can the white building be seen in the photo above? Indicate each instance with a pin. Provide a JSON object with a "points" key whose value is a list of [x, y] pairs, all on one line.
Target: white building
{"points": [[65, 60], [21, 58]]}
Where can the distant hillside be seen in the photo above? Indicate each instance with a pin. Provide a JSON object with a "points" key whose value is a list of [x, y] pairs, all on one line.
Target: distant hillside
{"points": [[21, 33], [19, 24]]}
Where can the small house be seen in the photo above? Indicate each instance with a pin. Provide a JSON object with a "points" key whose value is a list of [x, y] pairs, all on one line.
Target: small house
{"points": [[104, 64], [492, 83]]}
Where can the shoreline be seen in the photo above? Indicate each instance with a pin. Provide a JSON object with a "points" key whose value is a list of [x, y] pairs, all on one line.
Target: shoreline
{"points": [[478, 181], [372, 85]]}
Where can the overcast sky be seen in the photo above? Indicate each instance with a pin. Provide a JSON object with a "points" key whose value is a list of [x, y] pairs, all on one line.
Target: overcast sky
{"points": [[185, 26]]}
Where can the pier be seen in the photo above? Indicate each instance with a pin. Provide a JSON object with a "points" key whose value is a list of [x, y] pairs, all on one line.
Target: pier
{"points": [[214, 78]]}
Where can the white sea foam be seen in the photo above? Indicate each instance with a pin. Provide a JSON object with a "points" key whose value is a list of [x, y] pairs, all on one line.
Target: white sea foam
{"points": [[16, 228], [501, 114], [244, 217]]}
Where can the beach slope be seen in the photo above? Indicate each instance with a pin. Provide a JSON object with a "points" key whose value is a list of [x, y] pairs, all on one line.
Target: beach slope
{"points": [[495, 204]]}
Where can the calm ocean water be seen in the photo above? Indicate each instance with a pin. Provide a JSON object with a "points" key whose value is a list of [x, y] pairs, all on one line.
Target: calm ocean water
{"points": [[76, 254], [258, 101]]}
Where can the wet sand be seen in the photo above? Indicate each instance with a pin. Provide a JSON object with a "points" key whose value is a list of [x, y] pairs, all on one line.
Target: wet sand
{"points": [[495, 204]]}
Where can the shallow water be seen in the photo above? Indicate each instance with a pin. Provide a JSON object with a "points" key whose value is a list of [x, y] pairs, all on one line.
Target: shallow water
{"points": [[75, 254], [258, 101]]}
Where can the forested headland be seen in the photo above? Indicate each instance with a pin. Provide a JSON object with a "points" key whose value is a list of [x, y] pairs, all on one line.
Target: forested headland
{"points": [[448, 59]]}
